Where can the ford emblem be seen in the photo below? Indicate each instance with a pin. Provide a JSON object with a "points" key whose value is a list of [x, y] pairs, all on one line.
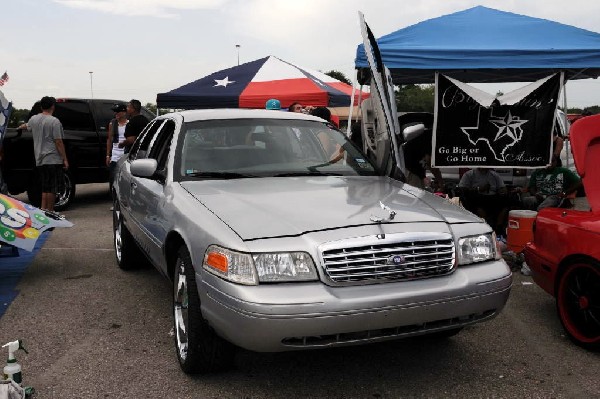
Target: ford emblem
{"points": [[396, 260]]}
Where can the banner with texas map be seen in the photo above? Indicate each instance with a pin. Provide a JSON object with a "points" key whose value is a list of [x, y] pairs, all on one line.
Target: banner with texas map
{"points": [[475, 129]]}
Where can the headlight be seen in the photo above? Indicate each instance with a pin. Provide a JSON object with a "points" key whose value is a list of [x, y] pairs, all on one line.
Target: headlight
{"points": [[284, 266], [476, 248], [249, 269]]}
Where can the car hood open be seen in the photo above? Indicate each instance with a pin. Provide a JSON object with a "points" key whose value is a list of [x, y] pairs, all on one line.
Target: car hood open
{"points": [[289, 206]]}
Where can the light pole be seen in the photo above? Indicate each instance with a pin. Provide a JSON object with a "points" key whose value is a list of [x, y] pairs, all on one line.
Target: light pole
{"points": [[91, 84], [237, 46]]}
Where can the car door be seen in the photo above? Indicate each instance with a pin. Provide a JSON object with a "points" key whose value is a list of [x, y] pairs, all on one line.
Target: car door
{"points": [[125, 183], [384, 146], [150, 198]]}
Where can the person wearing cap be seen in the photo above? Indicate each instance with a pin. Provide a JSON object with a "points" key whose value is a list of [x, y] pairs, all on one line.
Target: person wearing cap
{"points": [[137, 123], [49, 150], [273, 104], [116, 135]]}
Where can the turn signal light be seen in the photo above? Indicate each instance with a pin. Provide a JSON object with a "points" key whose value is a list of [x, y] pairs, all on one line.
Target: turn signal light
{"points": [[217, 261]]}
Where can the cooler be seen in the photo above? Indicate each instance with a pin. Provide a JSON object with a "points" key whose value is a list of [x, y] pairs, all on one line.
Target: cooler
{"points": [[520, 229]]}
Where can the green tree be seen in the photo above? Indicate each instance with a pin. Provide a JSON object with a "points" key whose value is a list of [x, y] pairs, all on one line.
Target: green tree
{"points": [[594, 109], [151, 107], [415, 98], [339, 76], [17, 116]]}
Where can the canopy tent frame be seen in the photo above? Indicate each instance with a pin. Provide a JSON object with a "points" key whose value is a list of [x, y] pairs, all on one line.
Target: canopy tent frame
{"points": [[485, 45]]}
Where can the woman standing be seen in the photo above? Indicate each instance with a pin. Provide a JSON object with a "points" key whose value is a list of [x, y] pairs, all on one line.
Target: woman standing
{"points": [[116, 134]]}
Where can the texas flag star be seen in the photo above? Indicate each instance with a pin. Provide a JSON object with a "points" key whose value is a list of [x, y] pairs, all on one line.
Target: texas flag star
{"points": [[223, 82], [509, 126]]}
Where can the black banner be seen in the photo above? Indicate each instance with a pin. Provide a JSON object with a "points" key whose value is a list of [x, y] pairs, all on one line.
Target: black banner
{"points": [[472, 128]]}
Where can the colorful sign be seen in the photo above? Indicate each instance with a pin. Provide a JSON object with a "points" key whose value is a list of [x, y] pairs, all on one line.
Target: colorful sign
{"points": [[21, 224]]}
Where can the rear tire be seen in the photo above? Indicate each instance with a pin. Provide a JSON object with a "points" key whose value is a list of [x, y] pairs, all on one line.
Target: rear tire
{"points": [[128, 254], [199, 348], [578, 303]]}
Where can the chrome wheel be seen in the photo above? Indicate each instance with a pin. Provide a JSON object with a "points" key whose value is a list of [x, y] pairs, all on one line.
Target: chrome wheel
{"points": [[64, 198], [117, 234], [199, 349], [180, 311], [127, 253], [578, 303]]}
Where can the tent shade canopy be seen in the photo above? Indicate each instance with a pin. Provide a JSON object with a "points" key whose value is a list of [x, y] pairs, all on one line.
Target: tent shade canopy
{"points": [[484, 45], [250, 85]]}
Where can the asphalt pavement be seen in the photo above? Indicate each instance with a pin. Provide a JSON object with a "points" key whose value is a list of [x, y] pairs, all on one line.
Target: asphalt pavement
{"points": [[94, 331]]}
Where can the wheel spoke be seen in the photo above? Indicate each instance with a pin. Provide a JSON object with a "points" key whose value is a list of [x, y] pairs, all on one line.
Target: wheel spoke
{"points": [[594, 318], [577, 288]]}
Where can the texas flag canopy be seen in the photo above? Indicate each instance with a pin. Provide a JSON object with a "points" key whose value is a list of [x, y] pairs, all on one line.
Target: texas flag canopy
{"points": [[250, 85]]}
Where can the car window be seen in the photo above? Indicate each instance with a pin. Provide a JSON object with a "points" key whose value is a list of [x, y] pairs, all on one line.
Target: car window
{"points": [[74, 115], [160, 146], [266, 147], [141, 144]]}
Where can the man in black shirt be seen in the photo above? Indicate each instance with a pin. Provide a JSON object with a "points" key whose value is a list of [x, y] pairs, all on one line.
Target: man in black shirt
{"points": [[137, 123]]}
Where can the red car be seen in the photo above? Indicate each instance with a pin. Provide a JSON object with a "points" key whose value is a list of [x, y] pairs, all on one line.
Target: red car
{"points": [[564, 255]]}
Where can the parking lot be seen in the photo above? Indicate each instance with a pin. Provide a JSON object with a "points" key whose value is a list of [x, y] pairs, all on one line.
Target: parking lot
{"points": [[94, 331]]}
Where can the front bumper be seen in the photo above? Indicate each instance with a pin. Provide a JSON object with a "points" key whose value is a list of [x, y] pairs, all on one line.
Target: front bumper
{"points": [[283, 317]]}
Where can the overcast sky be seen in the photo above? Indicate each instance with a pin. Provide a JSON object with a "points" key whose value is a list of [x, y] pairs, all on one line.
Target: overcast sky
{"points": [[138, 48]]}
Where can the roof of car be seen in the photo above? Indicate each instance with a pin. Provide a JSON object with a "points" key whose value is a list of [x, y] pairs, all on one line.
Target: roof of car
{"points": [[226, 113]]}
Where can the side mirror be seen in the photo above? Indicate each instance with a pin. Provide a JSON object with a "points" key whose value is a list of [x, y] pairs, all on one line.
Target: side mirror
{"points": [[413, 131], [144, 167]]}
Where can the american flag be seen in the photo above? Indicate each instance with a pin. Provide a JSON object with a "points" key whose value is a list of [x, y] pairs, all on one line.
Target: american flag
{"points": [[3, 78]]}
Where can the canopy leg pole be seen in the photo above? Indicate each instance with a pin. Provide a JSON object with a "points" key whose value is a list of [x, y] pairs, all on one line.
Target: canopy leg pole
{"points": [[348, 128], [566, 124]]}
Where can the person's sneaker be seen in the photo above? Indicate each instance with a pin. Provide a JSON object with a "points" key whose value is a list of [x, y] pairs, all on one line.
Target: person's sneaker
{"points": [[525, 270], [112, 208]]}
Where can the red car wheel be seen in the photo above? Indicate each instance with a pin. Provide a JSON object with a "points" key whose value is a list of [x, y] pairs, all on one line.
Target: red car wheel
{"points": [[578, 303]]}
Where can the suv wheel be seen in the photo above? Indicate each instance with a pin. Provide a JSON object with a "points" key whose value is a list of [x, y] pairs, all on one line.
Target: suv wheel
{"points": [[63, 199]]}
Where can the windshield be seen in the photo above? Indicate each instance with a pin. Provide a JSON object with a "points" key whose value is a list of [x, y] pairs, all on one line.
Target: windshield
{"points": [[234, 148]]}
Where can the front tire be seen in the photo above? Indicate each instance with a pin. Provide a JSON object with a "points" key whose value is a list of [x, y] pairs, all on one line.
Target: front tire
{"points": [[199, 348], [65, 198], [578, 303]]}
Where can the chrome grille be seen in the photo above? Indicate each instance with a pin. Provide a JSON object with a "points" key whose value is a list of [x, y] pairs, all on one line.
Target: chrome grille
{"points": [[404, 256]]}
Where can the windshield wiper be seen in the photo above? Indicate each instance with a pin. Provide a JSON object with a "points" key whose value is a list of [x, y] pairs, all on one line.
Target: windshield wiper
{"points": [[220, 175], [307, 173]]}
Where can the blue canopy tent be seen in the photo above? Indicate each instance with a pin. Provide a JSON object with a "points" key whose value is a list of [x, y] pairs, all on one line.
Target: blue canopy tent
{"points": [[484, 45]]}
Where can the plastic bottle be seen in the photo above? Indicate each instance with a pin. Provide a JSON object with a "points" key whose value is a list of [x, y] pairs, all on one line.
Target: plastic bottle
{"points": [[12, 370]]}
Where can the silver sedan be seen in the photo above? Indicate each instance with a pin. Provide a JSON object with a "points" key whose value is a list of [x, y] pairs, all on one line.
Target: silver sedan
{"points": [[279, 234]]}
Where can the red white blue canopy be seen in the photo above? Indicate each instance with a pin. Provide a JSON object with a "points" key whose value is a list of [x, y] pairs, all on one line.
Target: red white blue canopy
{"points": [[250, 85]]}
